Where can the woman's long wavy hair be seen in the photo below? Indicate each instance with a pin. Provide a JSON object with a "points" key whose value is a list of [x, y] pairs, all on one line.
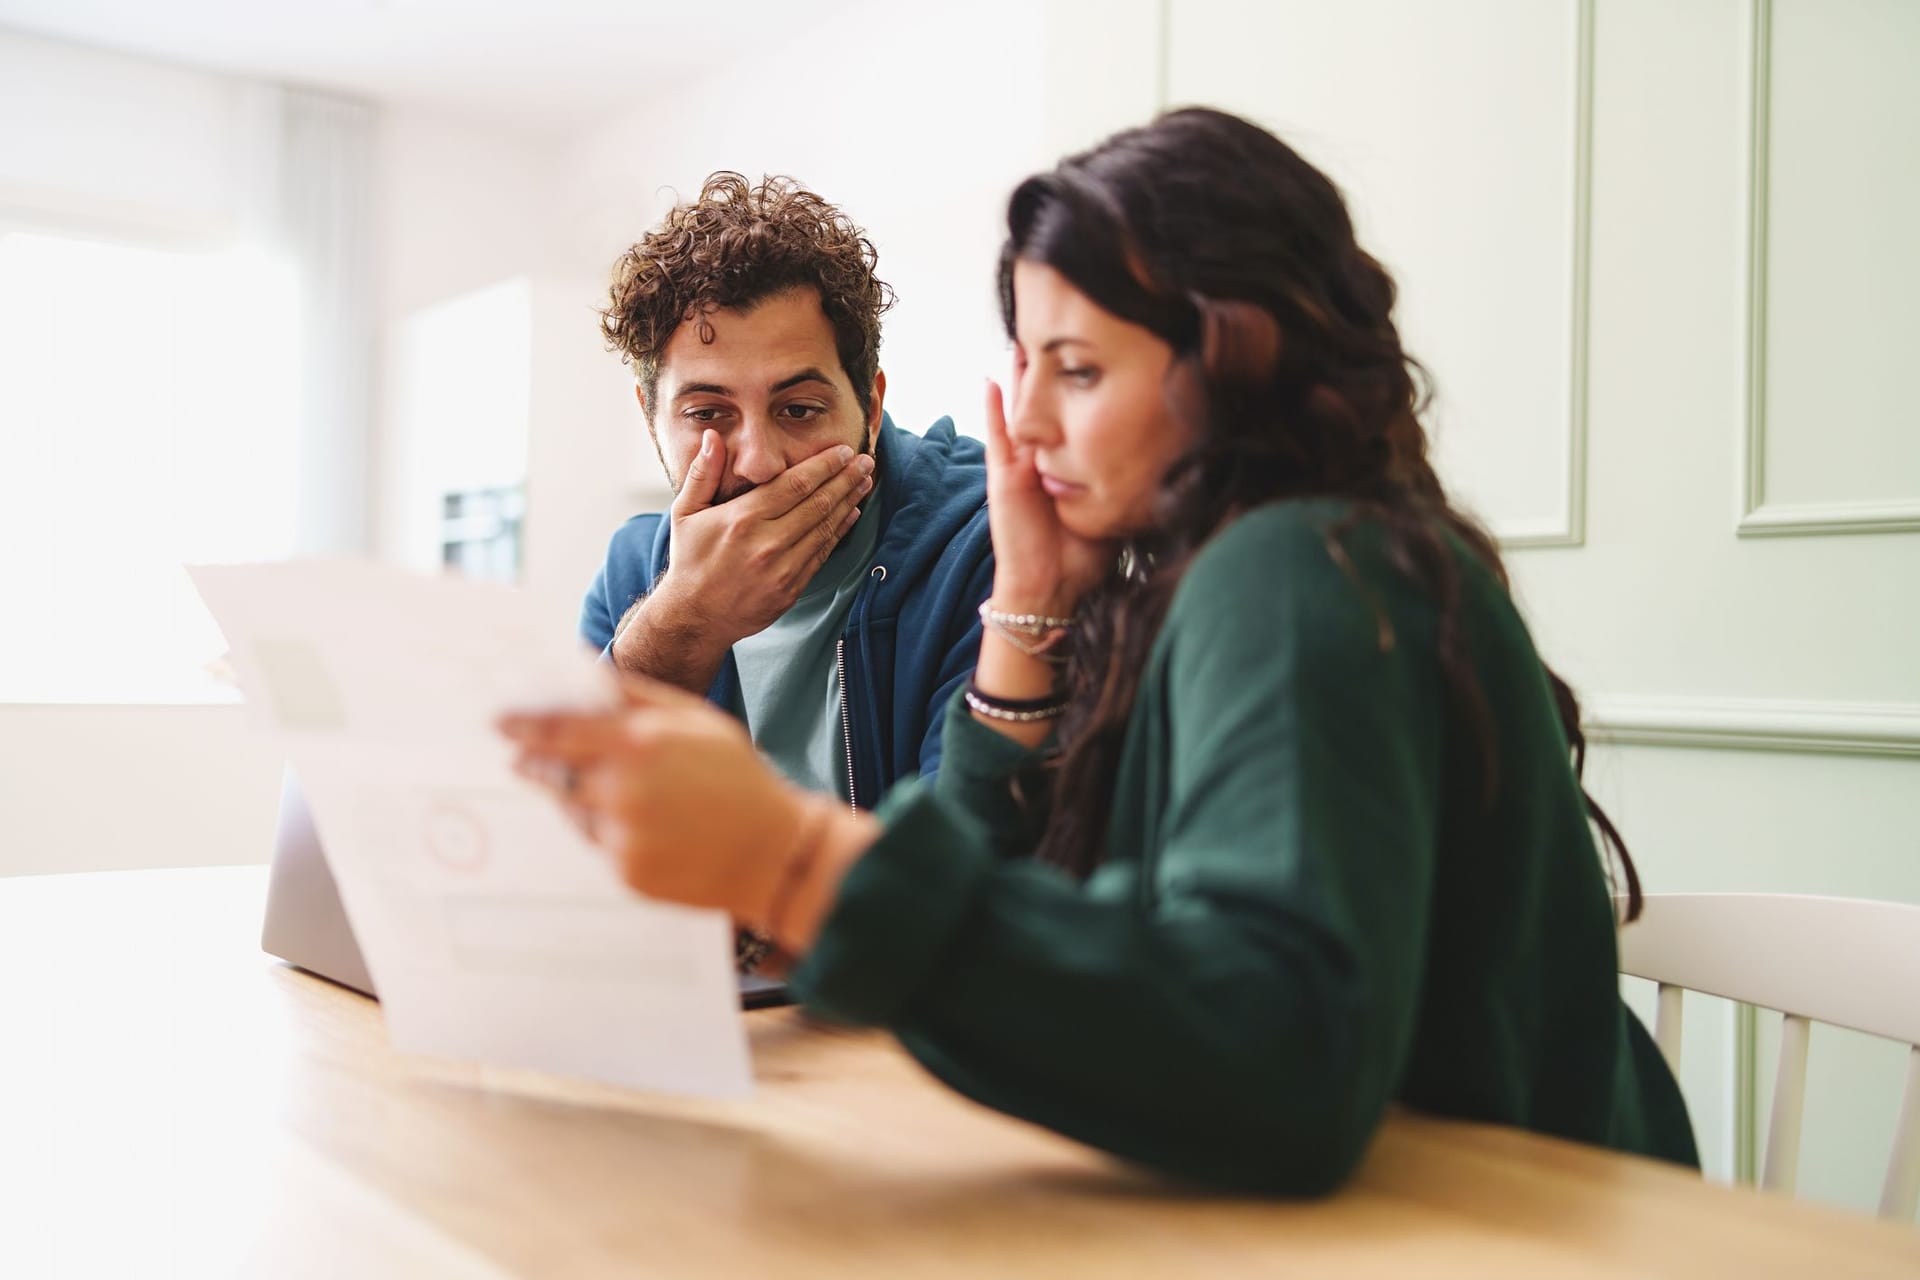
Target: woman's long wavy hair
{"points": [[1218, 237]]}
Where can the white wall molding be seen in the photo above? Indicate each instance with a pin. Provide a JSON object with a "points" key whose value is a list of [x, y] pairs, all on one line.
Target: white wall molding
{"points": [[1757, 724], [1778, 520], [1573, 531], [1756, 517]]}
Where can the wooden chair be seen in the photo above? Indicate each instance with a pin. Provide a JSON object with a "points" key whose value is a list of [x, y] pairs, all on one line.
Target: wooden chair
{"points": [[1841, 961]]}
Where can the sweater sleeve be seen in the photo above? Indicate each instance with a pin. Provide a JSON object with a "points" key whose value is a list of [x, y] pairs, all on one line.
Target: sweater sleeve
{"points": [[624, 576], [1235, 1005], [983, 771], [596, 615]]}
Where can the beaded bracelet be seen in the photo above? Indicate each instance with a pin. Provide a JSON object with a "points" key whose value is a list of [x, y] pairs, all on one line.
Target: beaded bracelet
{"points": [[1017, 710], [1031, 623]]}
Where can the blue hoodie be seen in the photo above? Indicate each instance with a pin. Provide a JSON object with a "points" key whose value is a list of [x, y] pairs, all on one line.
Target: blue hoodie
{"points": [[913, 634]]}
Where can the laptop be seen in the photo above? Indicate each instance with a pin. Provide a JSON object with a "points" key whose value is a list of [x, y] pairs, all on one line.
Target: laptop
{"points": [[307, 927]]}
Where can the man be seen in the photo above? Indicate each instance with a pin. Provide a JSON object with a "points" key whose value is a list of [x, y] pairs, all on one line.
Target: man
{"points": [[820, 570]]}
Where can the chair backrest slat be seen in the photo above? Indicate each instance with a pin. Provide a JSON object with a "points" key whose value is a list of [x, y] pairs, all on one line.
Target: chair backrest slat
{"points": [[1901, 1196], [1781, 1168], [1666, 1025]]}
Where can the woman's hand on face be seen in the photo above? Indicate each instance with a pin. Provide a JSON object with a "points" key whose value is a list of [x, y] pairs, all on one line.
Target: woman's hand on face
{"points": [[675, 791], [1039, 566]]}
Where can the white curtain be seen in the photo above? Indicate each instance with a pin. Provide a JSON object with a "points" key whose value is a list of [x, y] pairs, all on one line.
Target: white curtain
{"points": [[318, 212]]}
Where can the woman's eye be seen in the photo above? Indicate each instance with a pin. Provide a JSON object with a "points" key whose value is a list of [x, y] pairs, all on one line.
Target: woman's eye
{"points": [[1084, 375]]}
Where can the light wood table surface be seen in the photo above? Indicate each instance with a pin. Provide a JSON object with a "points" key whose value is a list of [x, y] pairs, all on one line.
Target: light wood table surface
{"points": [[175, 1103]]}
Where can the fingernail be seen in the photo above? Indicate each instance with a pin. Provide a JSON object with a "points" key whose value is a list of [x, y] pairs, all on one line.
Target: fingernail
{"points": [[866, 486], [844, 454], [865, 465]]}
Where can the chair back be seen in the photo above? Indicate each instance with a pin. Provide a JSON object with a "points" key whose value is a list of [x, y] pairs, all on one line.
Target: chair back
{"points": [[1842, 961]]}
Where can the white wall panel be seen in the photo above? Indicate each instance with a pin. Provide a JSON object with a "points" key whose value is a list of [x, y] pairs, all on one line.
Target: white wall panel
{"points": [[1457, 133], [1833, 433]]}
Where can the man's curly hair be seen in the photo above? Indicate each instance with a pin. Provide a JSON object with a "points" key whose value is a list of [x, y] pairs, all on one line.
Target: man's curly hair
{"points": [[737, 245]]}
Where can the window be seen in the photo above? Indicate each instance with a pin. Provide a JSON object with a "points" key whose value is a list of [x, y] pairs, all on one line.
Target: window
{"points": [[149, 403], [480, 532]]}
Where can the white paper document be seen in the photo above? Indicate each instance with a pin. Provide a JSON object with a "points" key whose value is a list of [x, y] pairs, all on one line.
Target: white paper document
{"points": [[493, 930]]}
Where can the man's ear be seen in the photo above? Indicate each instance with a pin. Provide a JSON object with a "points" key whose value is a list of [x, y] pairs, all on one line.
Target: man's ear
{"points": [[640, 394], [876, 405]]}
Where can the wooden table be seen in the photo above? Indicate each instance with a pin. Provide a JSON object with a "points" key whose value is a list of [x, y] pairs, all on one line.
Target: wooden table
{"points": [[172, 1102]]}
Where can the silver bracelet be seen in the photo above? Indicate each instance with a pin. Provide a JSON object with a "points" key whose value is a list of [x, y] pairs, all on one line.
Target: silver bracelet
{"points": [[1042, 650], [1033, 634], [977, 703]]}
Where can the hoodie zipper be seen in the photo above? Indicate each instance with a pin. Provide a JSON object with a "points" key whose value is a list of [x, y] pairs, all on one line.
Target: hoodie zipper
{"points": [[846, 719]]}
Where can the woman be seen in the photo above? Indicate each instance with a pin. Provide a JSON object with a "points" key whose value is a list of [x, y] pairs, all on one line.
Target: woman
{"points": [[1258, 815]]}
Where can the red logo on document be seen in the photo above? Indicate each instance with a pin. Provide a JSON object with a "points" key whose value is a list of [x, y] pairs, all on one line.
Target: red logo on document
{"points": [[456, 839]]}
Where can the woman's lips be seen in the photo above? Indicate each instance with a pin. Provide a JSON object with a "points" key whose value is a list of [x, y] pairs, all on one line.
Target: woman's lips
{"points": [[1057, 488]]}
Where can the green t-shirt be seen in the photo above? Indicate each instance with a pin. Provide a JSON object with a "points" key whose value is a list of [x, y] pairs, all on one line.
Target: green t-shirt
{"points": [[790, 691], [1308, 910]]}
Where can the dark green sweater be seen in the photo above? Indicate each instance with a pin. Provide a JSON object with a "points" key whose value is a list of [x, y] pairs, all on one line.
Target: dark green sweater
{"points": [[1306, 911]]}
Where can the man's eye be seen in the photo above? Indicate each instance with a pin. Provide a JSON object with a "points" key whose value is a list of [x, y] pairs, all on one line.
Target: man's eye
{"points": [[706, 413], [801, 412]]}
